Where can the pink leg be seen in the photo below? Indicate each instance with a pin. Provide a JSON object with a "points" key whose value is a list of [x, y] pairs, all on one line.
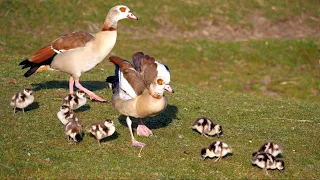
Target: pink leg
{"points": [[133, 140], [143, 130], [71, 83], [90, 94]]}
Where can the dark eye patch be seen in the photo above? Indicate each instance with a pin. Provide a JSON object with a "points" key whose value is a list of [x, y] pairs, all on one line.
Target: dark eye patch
{"points": [[123, 9]]}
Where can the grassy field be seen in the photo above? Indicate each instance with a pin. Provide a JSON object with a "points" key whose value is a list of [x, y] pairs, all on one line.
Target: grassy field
{"points": [[250, 65]]}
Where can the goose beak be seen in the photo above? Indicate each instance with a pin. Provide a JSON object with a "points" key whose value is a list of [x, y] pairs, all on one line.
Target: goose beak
{"points": [[131, 16], [168, 88]]}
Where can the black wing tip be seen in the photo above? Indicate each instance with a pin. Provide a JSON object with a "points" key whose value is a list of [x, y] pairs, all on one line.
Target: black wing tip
{"points": [[24, 62], [30, 71], [111, 79]]}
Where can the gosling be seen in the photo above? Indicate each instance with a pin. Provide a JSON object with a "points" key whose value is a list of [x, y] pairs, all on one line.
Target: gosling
{"points": [[272, 148], [75, 101], [102, 129], [73, 129], [216, 149], [206, 127], [65, 114], [22, 99], [266, 161]]}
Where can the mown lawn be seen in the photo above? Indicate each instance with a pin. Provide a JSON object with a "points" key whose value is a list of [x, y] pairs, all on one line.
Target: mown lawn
{"points": [[258, 88]]}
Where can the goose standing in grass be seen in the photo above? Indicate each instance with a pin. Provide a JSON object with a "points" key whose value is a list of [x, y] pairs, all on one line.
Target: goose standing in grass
{"points": [[216, 149], [73, 129], [266, 161], [65, 114], [22, 99], [206, 127], [102, 129], [75, 101], [138, 90], [272, 148], [79, 52]]}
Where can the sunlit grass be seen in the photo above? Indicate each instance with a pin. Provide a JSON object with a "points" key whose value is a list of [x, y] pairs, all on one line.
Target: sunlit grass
{"points": [[266, 89]]}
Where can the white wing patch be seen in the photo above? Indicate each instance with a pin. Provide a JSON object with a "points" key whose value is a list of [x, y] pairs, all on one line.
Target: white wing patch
{"points": [[59, 51], [125, 86]]}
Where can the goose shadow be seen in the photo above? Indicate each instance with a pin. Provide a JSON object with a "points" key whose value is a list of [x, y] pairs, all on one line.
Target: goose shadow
{"points": [[159, 121], [31, 107], [91, 85]]}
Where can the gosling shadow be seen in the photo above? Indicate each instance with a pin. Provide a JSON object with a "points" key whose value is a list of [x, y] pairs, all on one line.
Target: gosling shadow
{"points": [[114, 136], [223, 158], [31, 107], [82, 108]]}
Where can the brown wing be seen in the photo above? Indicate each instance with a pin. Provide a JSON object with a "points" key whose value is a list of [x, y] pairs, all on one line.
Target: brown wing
{"points": [[71, 41], [136, 57], [130, 74], [148, 69], [42, 55]]}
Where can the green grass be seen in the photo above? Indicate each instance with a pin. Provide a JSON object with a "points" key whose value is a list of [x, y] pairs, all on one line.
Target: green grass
{"points": [[257, 89]]}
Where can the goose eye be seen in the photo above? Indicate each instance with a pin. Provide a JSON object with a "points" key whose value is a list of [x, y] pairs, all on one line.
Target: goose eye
{"points": [[160, 81]]}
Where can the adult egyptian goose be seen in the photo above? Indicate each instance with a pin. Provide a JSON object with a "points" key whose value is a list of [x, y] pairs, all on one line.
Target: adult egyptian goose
{"points": [[138, 90], [79, 52], [22, 99]]}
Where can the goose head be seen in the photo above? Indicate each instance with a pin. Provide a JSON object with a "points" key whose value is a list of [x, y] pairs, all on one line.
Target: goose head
{"points": [[121, 12], [158, 86]]}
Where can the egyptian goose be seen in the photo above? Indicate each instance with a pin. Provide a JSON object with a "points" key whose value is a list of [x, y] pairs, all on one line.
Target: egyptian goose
{"points": [[271, 148], [206, 127], [79, 52], [73, 129], [75, 101], [266, 161], [65, 114], [138, 90], [102, 129], [22, 99], [216, 149]]}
